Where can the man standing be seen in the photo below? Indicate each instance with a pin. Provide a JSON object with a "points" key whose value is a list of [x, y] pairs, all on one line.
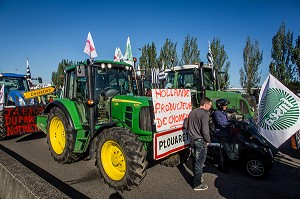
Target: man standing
{"points": [[198, 127]]}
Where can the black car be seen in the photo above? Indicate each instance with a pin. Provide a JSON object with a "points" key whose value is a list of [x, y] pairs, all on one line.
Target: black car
{"points": [[246, 146]]}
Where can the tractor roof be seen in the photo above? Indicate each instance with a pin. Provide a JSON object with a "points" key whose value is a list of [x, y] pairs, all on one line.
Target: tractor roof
{"points": [[120, 65], [12, 75], [185, 67]]}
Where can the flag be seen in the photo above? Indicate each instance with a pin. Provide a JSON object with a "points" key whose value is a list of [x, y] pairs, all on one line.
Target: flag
{"points": [[128, 53], [211, 60], [154, 77], [161, 75], [118, 57], [279, 112], [28, 73], [90, 47]]}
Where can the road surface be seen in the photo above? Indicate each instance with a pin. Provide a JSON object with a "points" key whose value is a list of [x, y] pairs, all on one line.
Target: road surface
{"points": [[82, 179]]}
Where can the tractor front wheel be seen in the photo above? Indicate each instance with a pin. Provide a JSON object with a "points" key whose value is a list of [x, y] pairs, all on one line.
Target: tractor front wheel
{"points": [[59, 139], [121, 158]]}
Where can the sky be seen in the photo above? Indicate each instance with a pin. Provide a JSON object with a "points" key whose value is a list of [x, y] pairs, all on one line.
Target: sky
{"points": [[47, 31]]}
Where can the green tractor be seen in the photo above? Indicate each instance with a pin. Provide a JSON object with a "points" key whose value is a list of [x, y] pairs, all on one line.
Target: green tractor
{"points": [[100, 115], [200, 79]]}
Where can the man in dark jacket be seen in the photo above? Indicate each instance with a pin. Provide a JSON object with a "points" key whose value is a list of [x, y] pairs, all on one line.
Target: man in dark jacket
{"points": [[222, 131], [198, 127]]}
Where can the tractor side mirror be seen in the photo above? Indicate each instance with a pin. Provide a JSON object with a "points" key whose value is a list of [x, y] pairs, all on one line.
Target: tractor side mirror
{"points": [[80, 71], [40, 80]]}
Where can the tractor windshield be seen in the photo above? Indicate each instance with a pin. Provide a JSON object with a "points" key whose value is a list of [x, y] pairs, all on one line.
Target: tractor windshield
{"points": [[117, 79], [187, 79], [14, 83]]}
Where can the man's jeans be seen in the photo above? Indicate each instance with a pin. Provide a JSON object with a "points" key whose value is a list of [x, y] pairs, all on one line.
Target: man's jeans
{"points": [[200, 150]]}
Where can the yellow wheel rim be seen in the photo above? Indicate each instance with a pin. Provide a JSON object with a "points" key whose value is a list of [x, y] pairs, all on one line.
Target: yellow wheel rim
{"points": [[57, 135], [113, 160]]}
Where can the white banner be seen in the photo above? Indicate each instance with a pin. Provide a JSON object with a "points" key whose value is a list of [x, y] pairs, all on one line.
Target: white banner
{"points": [[171, 108], [279, 112]]}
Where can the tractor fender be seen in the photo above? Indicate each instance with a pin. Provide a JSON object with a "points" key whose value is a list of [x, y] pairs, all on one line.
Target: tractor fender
{"points": [[69, 109]]}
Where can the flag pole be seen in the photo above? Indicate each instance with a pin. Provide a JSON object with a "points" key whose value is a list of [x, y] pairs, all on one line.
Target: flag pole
{"points": [[136, 82]]}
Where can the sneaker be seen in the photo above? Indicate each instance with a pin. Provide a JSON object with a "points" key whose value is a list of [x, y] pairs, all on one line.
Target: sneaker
{"points": [[201, 187]]}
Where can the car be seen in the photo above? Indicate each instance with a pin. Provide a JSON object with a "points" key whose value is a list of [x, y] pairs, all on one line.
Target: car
{"points": [[246, 146]]}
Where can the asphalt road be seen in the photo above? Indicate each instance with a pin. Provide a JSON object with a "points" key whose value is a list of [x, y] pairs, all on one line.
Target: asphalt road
{"points": [[82, 180]]}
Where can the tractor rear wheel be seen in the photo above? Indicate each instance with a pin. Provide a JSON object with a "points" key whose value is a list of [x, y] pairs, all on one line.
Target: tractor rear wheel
{"points": [[121, 158], [60, 140]]}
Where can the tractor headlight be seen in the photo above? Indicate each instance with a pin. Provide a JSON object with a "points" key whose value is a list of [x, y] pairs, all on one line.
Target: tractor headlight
{"points": [[102, 65], [109, 65]]}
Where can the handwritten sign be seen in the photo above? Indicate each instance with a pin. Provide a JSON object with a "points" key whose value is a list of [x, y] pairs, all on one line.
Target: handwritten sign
{"points": [[171, 108], [20, 120]]}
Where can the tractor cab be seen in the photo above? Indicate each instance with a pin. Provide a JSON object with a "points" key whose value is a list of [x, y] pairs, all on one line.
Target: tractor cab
{"points": [[107, 79], [204, 82], [14, 86]]}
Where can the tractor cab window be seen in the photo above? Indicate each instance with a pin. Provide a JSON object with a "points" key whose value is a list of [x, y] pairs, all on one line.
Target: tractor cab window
{"points": [[107, 79], [170, 79], [14, 83], [187, 80], [71, 85], [81, 90], [208, 80]]}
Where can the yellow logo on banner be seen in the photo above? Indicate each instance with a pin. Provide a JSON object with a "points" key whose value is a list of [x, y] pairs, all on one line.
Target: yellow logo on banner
{"points": [[38, 92]]}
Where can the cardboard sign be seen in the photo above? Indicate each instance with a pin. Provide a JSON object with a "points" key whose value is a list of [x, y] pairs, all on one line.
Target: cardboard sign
{"points": [[19, 120], [169, 142], [171, 108], [38, 92]]}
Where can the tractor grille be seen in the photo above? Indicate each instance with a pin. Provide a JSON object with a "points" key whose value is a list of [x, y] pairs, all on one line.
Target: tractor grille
{"points": [[128, 116], [146, 118]]}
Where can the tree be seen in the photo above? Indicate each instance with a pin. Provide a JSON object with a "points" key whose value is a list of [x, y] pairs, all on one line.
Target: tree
{"points": [[282, 47], [167, 53], [190, 53], [220, 57], [57, 77], [249, 76], [296, 57], [148, 58]]}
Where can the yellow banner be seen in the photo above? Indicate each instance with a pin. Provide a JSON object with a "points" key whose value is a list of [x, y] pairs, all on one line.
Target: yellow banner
{"points": [[38, 92]]}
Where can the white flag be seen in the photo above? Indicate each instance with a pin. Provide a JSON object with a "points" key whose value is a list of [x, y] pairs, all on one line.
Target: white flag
{"points": [[279, 112], [128, 53], [118, 57], [90, 47], [2, 94]]}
